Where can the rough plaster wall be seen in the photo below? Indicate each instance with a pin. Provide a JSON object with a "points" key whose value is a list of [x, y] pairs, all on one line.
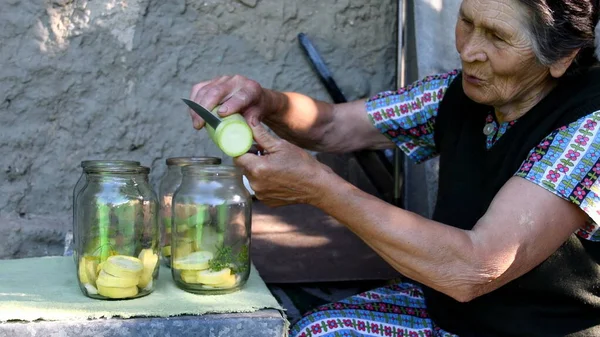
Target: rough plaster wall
{"points": [[101, 79]]}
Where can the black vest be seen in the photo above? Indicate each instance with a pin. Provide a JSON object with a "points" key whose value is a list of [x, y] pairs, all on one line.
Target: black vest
{"points": [[561, 296]]}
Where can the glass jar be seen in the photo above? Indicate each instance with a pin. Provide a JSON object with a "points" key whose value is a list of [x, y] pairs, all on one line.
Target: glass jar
{"points": [[210, 239], [82, 181], [168, 185], [117, 233]]}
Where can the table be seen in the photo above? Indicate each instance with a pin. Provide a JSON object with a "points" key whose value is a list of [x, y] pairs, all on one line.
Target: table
{"points": [[40, 297], [266, 322]]}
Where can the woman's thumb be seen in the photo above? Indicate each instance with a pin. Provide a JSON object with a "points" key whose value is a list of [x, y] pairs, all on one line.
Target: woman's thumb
{"points": [[262, 136]]}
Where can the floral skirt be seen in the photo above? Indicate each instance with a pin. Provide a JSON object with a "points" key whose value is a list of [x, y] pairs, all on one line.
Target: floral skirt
{"points": [[398, 310]]}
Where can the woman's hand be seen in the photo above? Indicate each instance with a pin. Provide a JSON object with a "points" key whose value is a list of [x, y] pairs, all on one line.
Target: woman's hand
{"points": [[300, 119], [234, 94], [286, 174]]}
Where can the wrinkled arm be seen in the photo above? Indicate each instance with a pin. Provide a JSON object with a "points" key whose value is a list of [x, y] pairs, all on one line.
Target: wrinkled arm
{"points": [[523, 226], [324, 127]]}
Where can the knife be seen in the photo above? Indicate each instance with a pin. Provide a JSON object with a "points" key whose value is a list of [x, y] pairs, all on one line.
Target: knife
{"points": [[208, 116]]}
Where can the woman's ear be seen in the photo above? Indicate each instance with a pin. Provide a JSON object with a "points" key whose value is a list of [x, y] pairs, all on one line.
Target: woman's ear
{"points": [[558, 68]]}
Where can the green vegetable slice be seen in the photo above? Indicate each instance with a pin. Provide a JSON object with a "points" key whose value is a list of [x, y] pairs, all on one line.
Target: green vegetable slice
{"points": [[233, 135]]}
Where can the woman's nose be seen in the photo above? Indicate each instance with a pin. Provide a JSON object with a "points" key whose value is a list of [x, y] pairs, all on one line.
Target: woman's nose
{"points": [[473, 50]]}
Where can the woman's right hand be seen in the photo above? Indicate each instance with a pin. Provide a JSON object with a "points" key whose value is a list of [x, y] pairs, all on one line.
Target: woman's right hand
{"points": [[234, 94]]}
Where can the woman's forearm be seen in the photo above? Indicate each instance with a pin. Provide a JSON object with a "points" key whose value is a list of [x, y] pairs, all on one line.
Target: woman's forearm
{"points": [[322, 126], [439, 256], [300, 119]]}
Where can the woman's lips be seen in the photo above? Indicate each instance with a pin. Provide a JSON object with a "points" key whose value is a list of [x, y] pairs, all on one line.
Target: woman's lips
{"points": [[473, 80]]}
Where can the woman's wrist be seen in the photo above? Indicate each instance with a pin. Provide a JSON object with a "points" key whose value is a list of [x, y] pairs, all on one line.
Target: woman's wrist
{"points": [[275, 104], [327, 185]]}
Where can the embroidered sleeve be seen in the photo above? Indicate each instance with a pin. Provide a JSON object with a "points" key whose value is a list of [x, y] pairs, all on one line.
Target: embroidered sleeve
{"points": [[407, 116], [567, 163]]}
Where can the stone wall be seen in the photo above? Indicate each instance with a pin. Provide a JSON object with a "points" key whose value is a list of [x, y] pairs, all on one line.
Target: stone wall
{"points": [[101, 79]]}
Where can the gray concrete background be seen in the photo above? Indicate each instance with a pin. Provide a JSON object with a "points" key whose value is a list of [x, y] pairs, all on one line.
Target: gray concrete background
{"points": [[101, 79]]}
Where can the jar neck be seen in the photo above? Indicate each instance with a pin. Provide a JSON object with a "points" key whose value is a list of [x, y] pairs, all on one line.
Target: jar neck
{"points": [[140, 176], [184, 161], [124, 177], [211, 172], [174, 168]]}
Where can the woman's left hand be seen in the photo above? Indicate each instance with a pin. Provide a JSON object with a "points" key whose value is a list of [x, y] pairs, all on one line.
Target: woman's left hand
{"points": [[285, 174]]}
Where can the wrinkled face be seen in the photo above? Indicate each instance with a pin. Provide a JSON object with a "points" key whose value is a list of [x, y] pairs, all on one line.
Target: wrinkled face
{"points": [[498, 62]]}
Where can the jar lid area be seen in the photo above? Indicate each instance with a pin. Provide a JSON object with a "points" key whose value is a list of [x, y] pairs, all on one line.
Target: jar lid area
{"points": [[103, 163], [144, 169], [182, 161], [116, 170]]}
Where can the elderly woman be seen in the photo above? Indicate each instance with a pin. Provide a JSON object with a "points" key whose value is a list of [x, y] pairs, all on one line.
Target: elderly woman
{"points": [[512, 248]]}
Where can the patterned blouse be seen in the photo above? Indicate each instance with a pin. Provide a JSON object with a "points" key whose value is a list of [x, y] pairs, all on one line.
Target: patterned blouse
{"points": [[566, 162]]}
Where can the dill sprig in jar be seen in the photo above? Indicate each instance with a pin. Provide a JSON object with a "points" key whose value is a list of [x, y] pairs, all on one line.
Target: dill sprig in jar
{"points": [[210, 237]]}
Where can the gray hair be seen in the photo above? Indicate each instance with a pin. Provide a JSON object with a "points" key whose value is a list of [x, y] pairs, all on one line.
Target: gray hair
{"points": [[559, 27]]}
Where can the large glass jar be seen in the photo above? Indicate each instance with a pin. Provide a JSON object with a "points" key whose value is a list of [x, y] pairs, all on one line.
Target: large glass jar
{"points": [[82, 181], [168, 184], [117, 233], [211, 217]]}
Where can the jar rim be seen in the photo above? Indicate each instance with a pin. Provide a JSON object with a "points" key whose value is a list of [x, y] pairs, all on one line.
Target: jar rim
{"points": [[116, 169], [103, 163], [183, 161], [144, 169], [214, 170]]}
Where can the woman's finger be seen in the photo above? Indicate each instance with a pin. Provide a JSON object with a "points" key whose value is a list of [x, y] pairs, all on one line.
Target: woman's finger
{"points": [[214, 93], [246, 162], [273, 203], [244, 95], [262, 137], [198, 92], [256, 149], [197, 121]]}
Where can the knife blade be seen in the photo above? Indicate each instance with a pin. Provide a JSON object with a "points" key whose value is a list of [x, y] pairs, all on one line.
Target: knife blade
{"points": [[208, 117]]}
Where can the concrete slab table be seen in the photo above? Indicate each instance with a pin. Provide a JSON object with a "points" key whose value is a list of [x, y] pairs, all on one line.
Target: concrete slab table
{"points": [[267, 323]]}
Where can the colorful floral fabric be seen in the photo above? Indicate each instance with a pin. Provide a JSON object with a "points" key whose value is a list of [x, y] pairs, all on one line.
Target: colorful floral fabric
{"points": [[567, 163], [497, 132], [407, 116], [397, 310]]}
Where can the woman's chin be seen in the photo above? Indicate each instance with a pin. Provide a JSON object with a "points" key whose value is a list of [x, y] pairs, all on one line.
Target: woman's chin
{"points": [[476, 93]]}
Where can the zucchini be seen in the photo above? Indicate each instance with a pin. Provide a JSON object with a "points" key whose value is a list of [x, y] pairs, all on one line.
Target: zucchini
{"points": [[233, 135]]}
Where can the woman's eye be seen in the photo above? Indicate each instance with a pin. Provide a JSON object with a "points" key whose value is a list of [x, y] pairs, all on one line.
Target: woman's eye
{"points": [[467, 22], [497, 38]]}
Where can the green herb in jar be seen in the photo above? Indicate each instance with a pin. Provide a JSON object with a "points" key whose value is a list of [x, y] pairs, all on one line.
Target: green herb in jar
{"points": [[225, 258]]}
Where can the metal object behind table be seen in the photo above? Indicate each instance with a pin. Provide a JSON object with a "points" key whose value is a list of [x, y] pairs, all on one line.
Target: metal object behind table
{"points": [[375, 164]]}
